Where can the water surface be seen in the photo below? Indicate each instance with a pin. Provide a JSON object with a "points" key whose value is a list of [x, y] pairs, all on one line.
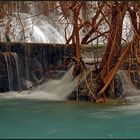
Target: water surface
{"points": [[22, 118]]}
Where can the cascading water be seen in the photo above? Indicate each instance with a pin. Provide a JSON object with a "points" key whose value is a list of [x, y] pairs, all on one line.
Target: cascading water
{"points": [[56, 89], [51, 90], [23, 27], [131, 93], [17, 69], [12, 65]]}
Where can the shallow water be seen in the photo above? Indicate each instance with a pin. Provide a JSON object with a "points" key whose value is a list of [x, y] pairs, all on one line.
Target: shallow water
{"points": [[20, 118]]}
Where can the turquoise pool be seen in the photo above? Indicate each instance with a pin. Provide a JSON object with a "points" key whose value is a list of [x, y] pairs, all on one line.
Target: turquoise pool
{"points": [[20, 118]]}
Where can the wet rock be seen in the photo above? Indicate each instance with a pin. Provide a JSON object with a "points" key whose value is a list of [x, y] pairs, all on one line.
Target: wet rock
{"points": [[35, 60], [3, 75]]}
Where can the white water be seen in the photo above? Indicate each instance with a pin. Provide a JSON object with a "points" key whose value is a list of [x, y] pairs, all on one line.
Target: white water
{"points": [[60, 89], [12, 71], [17, 69], [22, 27], [132, 94], [41, 31], [51, 90]]}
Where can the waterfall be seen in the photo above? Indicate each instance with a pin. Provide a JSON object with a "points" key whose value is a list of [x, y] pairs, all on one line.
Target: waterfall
{"points": [[128, 87], [50, 90], [24, 27], [12, 66], [17, 69], [8, 70], [30, 63], [56, 89], [25, 62]]}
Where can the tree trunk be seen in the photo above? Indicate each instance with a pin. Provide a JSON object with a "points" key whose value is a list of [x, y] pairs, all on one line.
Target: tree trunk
{"points": [[112, 72], [113, 47], [76, 34]]}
